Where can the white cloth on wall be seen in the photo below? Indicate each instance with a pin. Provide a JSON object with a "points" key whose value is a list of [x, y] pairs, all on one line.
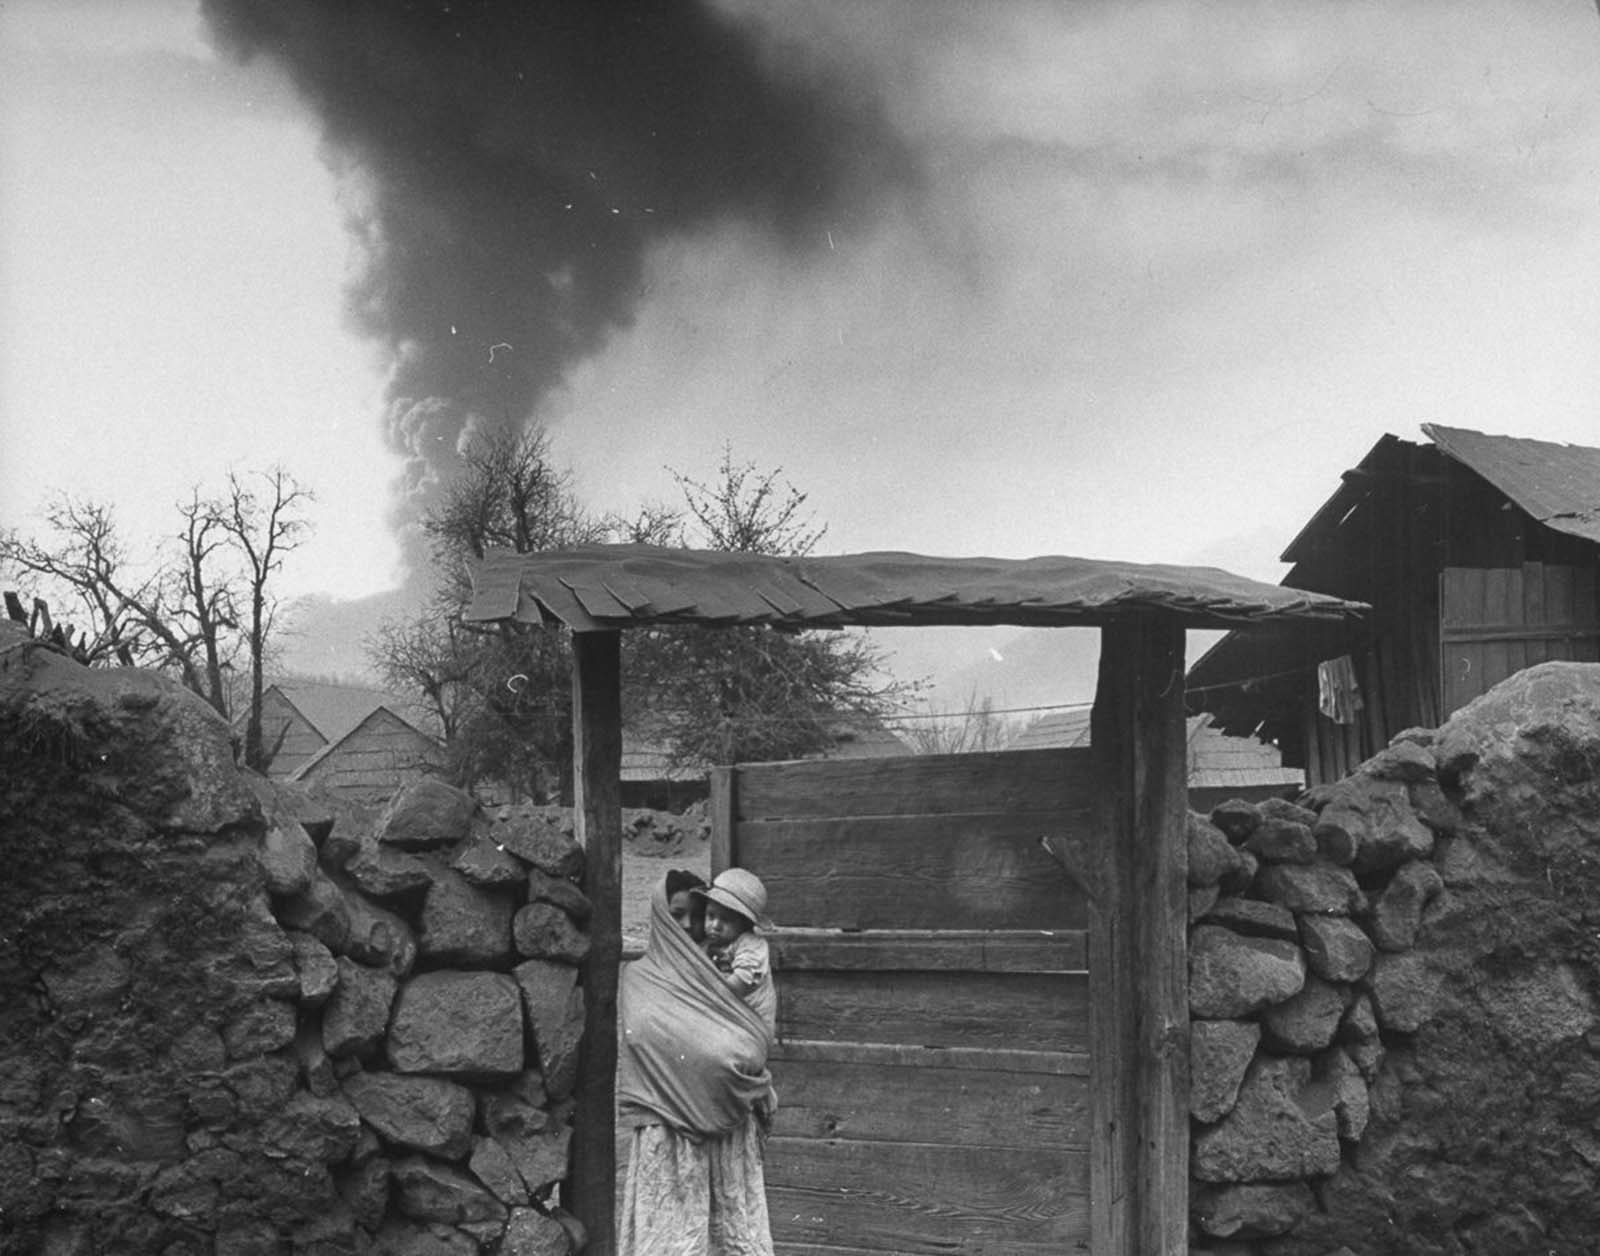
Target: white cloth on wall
{"points": [[1338, 694]]}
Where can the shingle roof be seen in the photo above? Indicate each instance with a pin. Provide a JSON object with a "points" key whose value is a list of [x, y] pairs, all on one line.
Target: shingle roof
{"points": [[619, 586], [1054, 731], [372, 719], [335, 710]]}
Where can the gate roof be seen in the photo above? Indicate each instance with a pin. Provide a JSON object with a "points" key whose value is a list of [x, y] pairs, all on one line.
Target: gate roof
{"points": [[595, 587]]}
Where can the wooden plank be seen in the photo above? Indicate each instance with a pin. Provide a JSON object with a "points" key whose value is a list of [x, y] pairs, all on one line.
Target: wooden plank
{"points": [[1508, 610], [926, 1198], [1585, 611], [597, 812], [1028, 1011], [1460, 601], [1492, 665], [1139, 1053], [1373, 737], [1514, 634], [1560, 604], [952, 951], [723, 782], [829, 1249], [1013, 780], [1535, 615], [899, 1055], [971, 871], [825, 1097]]}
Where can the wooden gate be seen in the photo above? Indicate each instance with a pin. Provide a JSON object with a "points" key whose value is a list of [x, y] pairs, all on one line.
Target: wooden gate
{"points": [[933, 1063]]}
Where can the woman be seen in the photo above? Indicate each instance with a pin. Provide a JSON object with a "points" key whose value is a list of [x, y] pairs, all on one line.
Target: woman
{"points": [[693, 1085]]}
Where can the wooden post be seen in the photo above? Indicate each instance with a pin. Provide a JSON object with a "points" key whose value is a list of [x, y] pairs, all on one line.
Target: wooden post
{"points": [[721, 817], [597, 810], [1138, 955]]}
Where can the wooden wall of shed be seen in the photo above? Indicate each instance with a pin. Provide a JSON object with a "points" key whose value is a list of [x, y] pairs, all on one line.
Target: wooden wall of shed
{"points": [[288, 736], [374, 760], [1422, 516]]}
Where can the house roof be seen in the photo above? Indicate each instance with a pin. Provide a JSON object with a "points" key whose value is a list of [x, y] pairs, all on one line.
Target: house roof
{"points": [[1559, 485], [1054, 731], [1220, 761], [335, 710], [372, 719], [598, 587], [1253, 676], [1215, 759]]}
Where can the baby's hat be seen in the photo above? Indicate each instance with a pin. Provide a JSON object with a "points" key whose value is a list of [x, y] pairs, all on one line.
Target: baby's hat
{"points": [[739, 891]]}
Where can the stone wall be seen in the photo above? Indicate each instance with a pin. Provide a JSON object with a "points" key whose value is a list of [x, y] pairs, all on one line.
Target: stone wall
{"points": [[235, 1020], [1394, 987]]}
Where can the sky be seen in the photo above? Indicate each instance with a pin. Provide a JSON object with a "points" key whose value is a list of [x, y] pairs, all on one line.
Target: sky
{"points": [[1132, 279]]}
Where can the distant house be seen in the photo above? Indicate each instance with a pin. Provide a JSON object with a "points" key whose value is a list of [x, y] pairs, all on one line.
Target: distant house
{"points": [[1479, 556], [1220, 767], [373, 759], [359, 741]]}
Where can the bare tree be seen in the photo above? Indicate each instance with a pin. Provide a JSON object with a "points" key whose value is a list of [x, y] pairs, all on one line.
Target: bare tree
{"points": [[138, 610], [195, 604], [976, 729], [502, 691], [750, 693], [748, 511], [262, 525]]}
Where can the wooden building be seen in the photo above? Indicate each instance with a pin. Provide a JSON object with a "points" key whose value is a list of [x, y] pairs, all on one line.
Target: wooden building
{"points": [[357, 740], [1478, 555], [372, 760]]}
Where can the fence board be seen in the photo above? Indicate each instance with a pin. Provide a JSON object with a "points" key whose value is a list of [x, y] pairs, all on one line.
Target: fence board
{"points": [[1026, 1011], [953, 950], [914, 1197], [860, 1097], [971, 871], [1014, 780]]}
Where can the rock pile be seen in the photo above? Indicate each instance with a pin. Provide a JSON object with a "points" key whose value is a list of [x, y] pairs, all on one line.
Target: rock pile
{"points": [[1393, 983], [233, 1023]]}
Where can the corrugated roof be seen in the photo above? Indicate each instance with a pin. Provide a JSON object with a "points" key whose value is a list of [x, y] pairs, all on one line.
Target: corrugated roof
{"points": [[620, 586], [1559, 485]]}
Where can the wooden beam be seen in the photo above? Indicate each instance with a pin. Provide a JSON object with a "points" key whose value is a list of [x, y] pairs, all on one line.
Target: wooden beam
{"points": [[1139, 1024], [721, 815], [597, 812]]}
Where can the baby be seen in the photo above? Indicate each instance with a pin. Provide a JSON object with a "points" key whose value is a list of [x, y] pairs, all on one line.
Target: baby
{"points": [[735, 904]]}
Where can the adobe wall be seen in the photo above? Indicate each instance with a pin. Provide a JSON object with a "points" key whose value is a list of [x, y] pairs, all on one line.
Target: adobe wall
{"points": [[235, 1021], [1394, 991]]}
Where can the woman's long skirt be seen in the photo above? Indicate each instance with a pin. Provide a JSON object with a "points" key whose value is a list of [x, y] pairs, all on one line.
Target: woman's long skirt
{"points": [[694, 1197]]}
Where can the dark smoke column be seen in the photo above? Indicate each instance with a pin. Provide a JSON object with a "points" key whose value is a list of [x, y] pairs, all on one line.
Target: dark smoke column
{"points": [[511, 161]]}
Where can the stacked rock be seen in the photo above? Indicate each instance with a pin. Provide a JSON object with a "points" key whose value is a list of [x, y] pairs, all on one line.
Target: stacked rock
{"points": [[439, 998], [1303, 916], [237, 1021]]}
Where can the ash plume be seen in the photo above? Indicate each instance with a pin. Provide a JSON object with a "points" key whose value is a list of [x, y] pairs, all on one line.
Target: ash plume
{"points": [[510, 162]]}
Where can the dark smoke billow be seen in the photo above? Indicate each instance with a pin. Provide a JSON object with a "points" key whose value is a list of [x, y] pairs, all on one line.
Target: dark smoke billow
{"points": [[513, 161]]}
